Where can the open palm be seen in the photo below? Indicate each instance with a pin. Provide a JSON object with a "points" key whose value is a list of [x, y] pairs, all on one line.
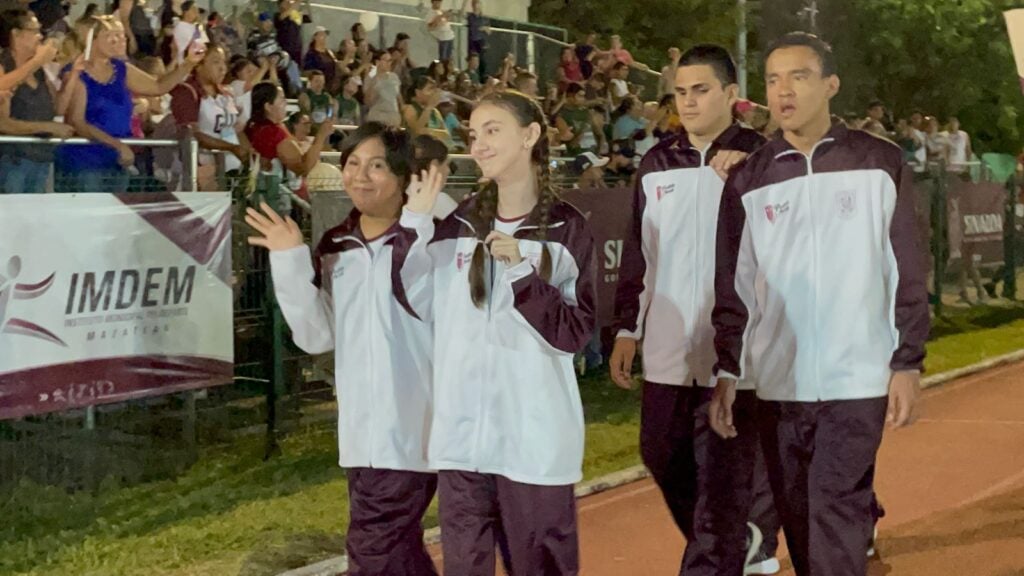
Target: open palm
{"points": [[424, 188], [275, 233]]}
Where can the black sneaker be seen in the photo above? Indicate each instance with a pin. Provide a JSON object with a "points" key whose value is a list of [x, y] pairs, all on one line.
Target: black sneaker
{"points": [[758, 560]]}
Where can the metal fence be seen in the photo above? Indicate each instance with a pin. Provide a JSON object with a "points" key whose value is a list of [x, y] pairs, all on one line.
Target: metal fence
{"points": [[278, 388], [973, 218]]}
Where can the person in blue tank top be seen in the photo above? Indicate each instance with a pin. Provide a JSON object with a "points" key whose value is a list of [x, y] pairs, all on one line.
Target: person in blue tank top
{"points": [[101, 110]]}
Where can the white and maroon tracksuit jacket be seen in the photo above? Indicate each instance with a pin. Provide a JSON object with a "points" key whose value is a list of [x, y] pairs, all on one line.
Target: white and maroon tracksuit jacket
{"points": [[667, 281], [820, 285], [342, 300], [506, 400]]}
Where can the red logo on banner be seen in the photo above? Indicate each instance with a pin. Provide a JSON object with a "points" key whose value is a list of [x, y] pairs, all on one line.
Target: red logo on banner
{"points": [[10, 290]]}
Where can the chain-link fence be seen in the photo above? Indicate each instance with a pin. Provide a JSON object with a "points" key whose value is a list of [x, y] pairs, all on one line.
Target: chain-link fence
{"points": [[971, 218]]}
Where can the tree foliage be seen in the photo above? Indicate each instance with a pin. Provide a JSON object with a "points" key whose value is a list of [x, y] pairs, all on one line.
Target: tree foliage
{"points": [[944, 58]]}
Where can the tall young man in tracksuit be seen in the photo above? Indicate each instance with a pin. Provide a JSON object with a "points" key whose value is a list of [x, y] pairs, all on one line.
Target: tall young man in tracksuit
{"points": [[821, 302], [665, 297]]}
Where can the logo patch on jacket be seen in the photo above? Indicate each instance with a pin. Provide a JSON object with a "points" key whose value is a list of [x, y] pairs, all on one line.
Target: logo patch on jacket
{"points": [[846, 202], [775, 211], [463, 260], [662, 191]]}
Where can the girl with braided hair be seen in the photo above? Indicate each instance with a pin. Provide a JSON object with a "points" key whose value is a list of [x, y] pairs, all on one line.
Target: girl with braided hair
{"points": [[508, 281]]}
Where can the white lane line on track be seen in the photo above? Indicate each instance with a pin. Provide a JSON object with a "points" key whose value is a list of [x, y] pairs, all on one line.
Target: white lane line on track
{"points": [[617, 498]]}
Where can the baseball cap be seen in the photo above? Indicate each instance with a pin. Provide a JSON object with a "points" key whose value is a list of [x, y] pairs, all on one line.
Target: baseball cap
{"points": [[264, 16], [589, 160], [320, 29]]}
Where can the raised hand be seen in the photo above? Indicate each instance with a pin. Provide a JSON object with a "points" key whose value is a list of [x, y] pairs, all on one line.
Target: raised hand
{"points": [[47, 51], [196, 52], [276, 233], [424, 189]]}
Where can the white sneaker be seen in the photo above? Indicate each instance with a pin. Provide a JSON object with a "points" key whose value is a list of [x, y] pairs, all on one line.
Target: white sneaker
{"points": [[758, 562]]}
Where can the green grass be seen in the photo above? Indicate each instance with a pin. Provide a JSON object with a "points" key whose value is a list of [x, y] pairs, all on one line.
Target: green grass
{"points": [[232, 513]]}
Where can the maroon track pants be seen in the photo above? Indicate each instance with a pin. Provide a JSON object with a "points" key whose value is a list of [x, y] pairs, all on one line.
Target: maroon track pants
{"points": [[385, 533], [707, 481], [535, 526], [821, 463]]}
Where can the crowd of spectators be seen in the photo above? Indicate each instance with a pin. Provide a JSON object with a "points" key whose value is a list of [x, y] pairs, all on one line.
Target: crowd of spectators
{"points": [[156, 71]]}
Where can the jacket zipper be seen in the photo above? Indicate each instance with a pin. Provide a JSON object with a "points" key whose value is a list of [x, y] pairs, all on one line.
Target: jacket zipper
{"points": [[373, 377], [815, 258], [697, 228]]}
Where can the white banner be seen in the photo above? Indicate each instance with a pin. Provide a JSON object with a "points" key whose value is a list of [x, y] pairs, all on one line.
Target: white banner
{"points": [[107, 297], [1015, 30]]}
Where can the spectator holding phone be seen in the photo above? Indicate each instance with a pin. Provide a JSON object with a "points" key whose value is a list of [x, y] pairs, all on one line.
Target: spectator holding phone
{"points": [[187, 30], [30, 109], [101, 109]]}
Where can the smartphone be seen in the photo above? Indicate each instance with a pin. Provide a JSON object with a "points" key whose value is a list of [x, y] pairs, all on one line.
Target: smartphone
{"points": [[88, 43]]}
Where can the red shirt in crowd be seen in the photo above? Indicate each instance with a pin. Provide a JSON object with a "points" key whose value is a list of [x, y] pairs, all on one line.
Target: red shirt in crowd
{"points": [[265, 137], [573, 74], [185, 101], [622, 55]]}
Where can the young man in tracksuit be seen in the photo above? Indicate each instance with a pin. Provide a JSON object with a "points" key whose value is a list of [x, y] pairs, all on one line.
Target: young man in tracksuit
{"points": [[665, 297], [821, 302]]}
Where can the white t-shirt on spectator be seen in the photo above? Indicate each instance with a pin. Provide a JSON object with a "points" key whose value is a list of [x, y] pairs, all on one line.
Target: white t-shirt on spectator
{"points": [[619, 88], [243, 100], [958, 147], [184, 34], [921, 154], [217, 118], [444, 32], [385, 108], [667, 85]]}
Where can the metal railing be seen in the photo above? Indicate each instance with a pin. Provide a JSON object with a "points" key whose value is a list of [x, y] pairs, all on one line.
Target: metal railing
{"points": [[527, 41], [187, 145]]}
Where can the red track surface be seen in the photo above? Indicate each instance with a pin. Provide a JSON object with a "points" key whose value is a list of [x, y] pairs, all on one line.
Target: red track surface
{"points": [[952, 485]]}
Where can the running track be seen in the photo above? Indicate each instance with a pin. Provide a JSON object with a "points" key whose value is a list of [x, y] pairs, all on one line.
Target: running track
{"points": [[952, 485]]}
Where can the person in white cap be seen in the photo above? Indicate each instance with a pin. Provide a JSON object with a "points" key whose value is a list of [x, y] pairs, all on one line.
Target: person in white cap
{"points": [[591, 169], [320, 57]]}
